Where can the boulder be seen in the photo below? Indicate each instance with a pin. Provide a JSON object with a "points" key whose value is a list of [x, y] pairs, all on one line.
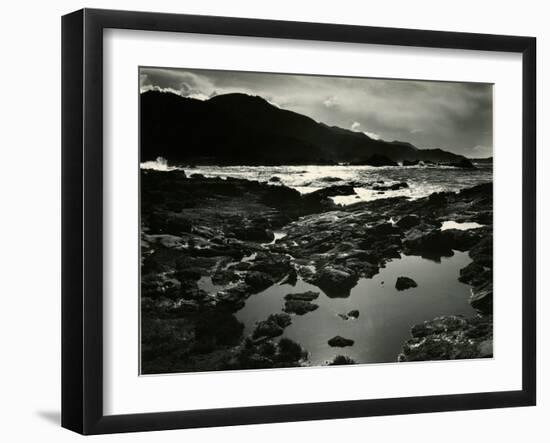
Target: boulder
{"points": [[224, 277], [475, 274], [291, 278], [303, 296], [353, 313], [253, 233], [340, 342], [393, 187], [335, 280], [331, 191], [408, 221], [450, 337], [482, 299], [441, 242], [463, 164], [273, 326], [288, 351], [275, 265], [258, 281], [342, 360], [403, 283], [331, 179], [299, 307]]}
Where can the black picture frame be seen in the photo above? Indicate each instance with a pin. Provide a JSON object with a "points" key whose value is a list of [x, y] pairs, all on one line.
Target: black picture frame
{"points": [[82, 218]]}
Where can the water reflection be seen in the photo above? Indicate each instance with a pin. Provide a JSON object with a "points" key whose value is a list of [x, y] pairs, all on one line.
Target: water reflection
{"points": [[385, 314]]}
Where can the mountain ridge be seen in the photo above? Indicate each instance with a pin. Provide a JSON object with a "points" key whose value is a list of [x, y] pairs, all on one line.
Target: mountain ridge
{"points": [[242, 129]]}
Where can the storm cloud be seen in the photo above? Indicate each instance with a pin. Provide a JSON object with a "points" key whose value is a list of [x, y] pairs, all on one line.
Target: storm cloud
{"points": [[453, 116]]}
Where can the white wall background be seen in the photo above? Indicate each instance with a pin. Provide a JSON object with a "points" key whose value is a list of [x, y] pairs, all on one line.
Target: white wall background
{"points": [[30, 218]]}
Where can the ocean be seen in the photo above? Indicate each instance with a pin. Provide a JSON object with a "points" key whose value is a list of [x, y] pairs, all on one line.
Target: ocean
{"points": [[421, 180]]}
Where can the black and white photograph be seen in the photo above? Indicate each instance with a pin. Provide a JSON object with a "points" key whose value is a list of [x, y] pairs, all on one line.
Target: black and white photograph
{"points": [[299, 220]]}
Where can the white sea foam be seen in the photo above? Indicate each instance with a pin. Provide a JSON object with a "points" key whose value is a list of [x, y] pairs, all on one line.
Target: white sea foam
{"points": [[422, 181]]}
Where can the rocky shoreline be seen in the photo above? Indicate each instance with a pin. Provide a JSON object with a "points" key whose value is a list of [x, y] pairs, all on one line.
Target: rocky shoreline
{"points": [[207, 244]]}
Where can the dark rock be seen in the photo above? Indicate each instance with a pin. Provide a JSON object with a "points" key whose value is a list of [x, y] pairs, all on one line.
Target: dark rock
{"points": [[482, 252], [482, 299], [275, 265], [223, 327], [442, 242], [383, 229], [233, 298], [303, 296], [437, 199], [335, 281], [331, 191], [463, 163], [393, 187], [340, 342], [273, 326], [331, 179], [410, 162], [450, 337], [254, 233], [291, 278], [475, 274], [289, 351], [299, 307], [403, 283], [275, 179], [342, 360], [408, 221], [353, 313], [258, 281], [224, 277]]}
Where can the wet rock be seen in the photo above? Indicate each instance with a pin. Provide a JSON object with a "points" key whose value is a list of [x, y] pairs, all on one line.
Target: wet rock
{"points": [[223, 327], [403, 283], [224, 277], [273, 326], [277, 266], [482, 299], [342, 360], [288, 351], [393, 187], [437, 199], [408, 221], [482, 252], [258, 281], [442, 242], [475, 274], [382, 229], [320, 196], [189, 290], [331, 179], [291, 278], [303, 296], [254, 233], [450, 337], [299, 307], [463, 164], [232, 299], [335, 280], [340, 342], [350, 315]]}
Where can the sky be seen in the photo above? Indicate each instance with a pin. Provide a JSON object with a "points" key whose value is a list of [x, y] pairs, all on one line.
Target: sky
{"points": [[454, 116]]}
